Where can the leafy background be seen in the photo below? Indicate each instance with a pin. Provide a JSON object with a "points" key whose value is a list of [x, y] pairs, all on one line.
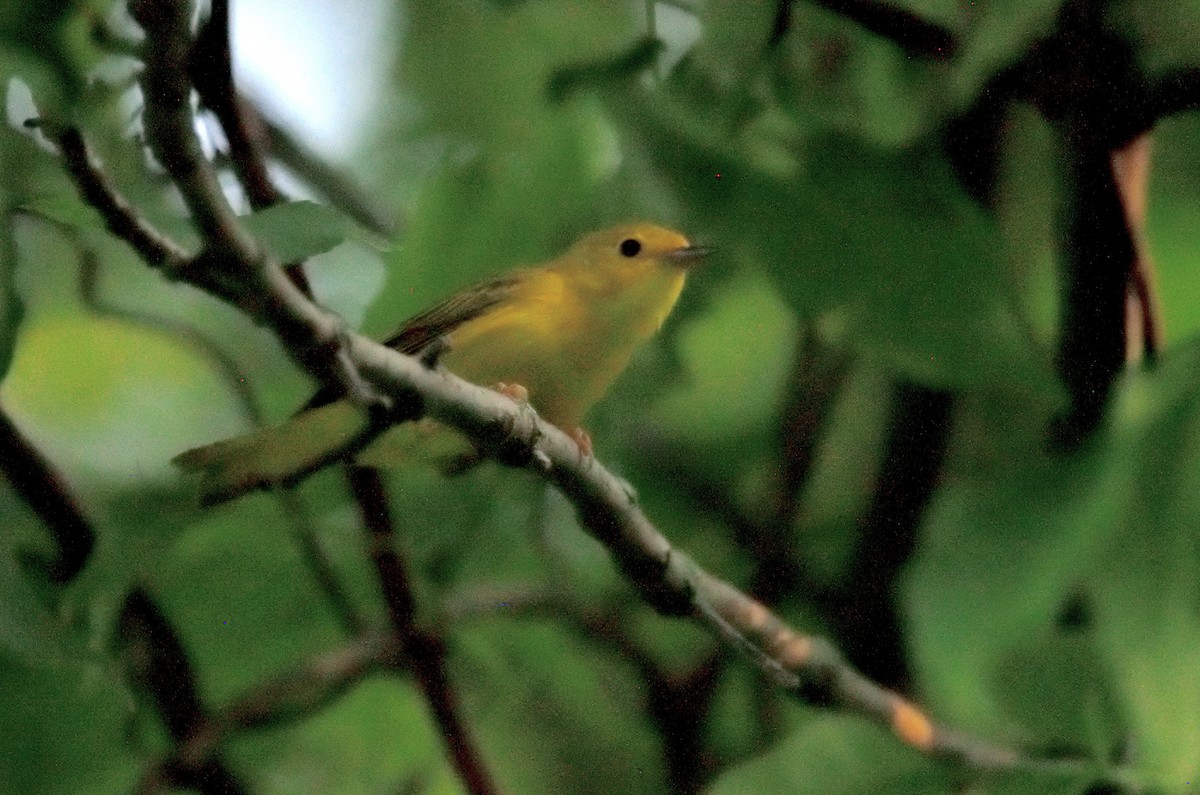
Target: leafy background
{"points": [[503, 130]]}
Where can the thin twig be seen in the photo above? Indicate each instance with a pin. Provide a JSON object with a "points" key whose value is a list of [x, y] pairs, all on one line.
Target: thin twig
{"points": [[153, 246], [211, 71], [1143, 316], [291, 695], [423, 649]]}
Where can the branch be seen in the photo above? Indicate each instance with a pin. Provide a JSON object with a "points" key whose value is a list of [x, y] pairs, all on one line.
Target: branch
{"points": [[119, 215], [42, 489], [865, 614], [1176, 92], [252, 136], [919, 38], [233, 266], [210, 68], [289, 696], [159, 662], [424, 650]]}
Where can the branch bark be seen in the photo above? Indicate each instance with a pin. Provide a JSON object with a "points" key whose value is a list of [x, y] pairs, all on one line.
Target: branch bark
{"points": [[425, 650], [44, 491]]}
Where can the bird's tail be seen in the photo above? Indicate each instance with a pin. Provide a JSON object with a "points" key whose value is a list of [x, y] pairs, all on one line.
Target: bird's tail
{"points": [[278, 456]]}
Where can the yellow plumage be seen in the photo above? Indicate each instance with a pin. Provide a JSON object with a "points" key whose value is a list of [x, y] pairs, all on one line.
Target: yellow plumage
{"points": [[563, 331]]}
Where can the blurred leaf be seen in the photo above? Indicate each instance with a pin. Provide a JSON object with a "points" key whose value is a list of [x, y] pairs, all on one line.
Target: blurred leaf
{"points": [[832, 755], [295, 231], [996, 37], [889, 235], [12, 309], [999, 557], [588, 727], [72, 718], [736, 358], [87, 385], [481, 70], [1147, 589], [234, 573], [736, 33], [378, 737], [1004, 552], [835, 77], [1166, 34]]}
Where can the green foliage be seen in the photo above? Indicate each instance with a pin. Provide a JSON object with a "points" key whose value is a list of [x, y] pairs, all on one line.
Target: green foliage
{"points": [[295, 231], [1050, 604]]}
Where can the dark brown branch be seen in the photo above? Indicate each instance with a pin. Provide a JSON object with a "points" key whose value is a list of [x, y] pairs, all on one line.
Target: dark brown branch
{"points": [[423, 649], [211, 71], [919, 38], [1175, 92], [43, 490], [119, 215], [1099, 260], [818, 372], [679, 708], [158, 661], [252, 137], [865, 615]]}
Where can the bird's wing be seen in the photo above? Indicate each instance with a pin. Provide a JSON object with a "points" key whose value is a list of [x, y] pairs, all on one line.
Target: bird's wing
{"points": [[421, 330]]}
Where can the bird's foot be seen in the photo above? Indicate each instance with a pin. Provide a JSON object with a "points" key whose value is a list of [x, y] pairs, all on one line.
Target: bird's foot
{"points": [[584, 441], [514, 392]]}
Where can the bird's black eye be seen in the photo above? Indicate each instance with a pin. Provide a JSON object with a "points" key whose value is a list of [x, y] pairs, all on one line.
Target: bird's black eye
{"points": [[630, 247]]}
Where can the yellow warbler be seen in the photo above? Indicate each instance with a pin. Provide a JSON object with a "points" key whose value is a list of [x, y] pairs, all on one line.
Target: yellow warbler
{"points": [[559, 333]]}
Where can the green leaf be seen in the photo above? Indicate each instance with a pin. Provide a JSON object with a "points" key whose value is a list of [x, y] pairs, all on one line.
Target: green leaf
{"points": [[1166, 35], [736, 33], [1147, 589], [1110, 528], [1001, 553], [73, 719], [481, 70], [298, 230], [837, 755]]}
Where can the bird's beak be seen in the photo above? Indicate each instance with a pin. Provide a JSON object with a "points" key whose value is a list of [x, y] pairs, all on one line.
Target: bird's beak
{"points": [[689, 256]]}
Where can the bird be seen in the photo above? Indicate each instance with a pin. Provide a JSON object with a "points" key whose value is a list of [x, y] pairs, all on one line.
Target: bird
{"points": [[555, 336]]}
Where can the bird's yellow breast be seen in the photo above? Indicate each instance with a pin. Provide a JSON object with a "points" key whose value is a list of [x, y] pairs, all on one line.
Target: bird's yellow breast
{"points": [[563, 341]]}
